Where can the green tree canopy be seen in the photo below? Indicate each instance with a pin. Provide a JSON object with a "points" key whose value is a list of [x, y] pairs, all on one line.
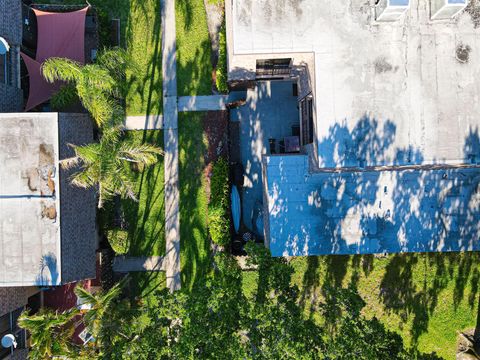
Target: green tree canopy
{"points": [[50, 332], [106, 164], [99, 86]]}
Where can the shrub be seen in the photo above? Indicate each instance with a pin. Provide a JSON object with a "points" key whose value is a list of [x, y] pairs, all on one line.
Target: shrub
{"points": [[218, 216], [118, 240], [219, 227], [221, 71], [219, 184]]}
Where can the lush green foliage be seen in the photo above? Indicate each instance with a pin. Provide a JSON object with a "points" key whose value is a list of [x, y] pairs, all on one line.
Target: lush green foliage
{"points": [[50, 332], [194, 66], [221, 71], [99, 86], [118, 240], [100, 304], [218, 216], [214, 320], [106, 164]]}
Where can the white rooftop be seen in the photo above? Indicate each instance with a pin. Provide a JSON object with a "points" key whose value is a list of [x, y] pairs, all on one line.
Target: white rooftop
{"points": [[413, 83], [29, 199]]}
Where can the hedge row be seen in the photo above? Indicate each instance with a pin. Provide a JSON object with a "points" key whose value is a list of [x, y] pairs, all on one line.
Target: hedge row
{"points": [[218, 212], [221, 71]]}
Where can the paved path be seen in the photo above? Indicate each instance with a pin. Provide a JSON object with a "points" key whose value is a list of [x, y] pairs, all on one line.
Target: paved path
{"points": [[202, 103], [125, 264], [170, 126], [144, 122]]}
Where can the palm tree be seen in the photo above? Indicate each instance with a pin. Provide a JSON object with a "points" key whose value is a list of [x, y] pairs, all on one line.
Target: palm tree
{"points": [[50, 332], [99, 86], [106, 164], [100, 304]]}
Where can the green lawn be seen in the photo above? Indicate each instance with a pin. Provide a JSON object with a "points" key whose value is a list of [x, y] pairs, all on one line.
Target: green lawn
{"points": [[194, 67], [146, 218], [193, 199], [144, 41], [427, 298]]}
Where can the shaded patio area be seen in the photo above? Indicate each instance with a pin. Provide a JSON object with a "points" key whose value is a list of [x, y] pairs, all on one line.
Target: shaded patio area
{"points": [[269, 113]]}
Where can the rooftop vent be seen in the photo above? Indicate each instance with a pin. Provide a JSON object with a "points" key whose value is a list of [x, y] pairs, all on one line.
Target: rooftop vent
{"points": [[391, 10], [446, 9]]}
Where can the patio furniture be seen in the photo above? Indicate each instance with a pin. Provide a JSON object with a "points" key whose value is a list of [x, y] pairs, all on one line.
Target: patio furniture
{"points": [[292, 144], [273, 145]]}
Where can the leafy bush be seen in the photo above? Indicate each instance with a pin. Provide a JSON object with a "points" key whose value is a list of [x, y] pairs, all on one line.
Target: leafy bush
{"points": [[219, 184], [221, 71], [118, 240], [218, 216], [219, 226]]}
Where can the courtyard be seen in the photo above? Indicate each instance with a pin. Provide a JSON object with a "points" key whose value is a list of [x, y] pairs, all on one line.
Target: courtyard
{"points": [[270, 112]]}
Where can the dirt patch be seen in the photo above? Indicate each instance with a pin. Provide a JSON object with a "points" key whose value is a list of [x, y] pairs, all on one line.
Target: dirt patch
{"points": [[382, 65], [215, 125], [49, 212], [462, 53], [46, 154]]}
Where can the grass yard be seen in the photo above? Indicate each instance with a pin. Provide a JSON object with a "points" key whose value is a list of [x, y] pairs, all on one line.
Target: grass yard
{"points": [[146, 218], [193, 199], [194, 67], [144, 42], [427, 298]]}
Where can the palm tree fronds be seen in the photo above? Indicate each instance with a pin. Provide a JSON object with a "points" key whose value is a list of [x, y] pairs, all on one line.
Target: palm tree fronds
{"points": [[144, 153], [60, 69], [70, 163]]}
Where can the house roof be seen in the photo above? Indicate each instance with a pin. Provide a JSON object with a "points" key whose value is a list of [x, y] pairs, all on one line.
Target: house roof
{"points": [[410, 210], [31, 226], [11, 21], [404, 77]]}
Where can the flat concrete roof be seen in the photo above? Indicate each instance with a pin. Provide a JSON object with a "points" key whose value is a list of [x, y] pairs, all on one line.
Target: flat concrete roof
{"points": [[413, 83], [368, 212], [29, 200]]}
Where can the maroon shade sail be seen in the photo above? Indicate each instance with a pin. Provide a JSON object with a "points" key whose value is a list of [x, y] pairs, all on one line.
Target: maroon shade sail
{"points": [[40, 90], [61, 35], [58, 35]]}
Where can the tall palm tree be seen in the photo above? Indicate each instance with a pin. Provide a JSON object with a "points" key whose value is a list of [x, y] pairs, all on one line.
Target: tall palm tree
{"points": [[100, 304], [99, 86], [50, 332], [106, 164]]}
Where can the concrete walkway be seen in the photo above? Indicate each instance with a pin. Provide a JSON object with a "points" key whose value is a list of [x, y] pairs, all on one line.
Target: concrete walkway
{"points": [[144, 122], [125, 264], [202, 103], [170, 126]]}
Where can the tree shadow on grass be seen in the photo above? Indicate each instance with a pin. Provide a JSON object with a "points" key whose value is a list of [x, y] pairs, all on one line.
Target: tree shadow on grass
{"points": [[195, 252], [143, 39], [146, 217], [186, 8]]}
